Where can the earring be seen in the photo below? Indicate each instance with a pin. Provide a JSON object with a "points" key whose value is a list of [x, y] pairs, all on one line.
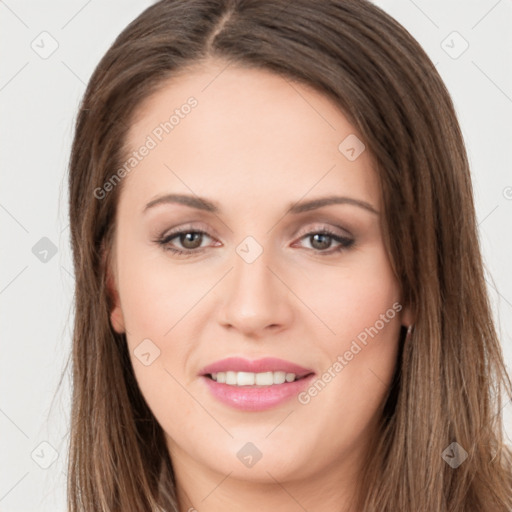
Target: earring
{"points": [[409, 330]]}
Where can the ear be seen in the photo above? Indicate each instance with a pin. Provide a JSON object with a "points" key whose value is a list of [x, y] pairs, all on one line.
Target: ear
{"points": [[116, 313]]}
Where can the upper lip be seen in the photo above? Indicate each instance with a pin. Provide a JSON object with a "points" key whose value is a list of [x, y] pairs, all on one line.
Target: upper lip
{"points": [[267, 364]]}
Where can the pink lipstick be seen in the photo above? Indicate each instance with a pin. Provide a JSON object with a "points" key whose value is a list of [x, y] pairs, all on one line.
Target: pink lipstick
{"points": [[255, 385]]}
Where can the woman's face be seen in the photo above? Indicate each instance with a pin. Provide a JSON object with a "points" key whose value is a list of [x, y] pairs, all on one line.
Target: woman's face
{"points": [[276, 274]]}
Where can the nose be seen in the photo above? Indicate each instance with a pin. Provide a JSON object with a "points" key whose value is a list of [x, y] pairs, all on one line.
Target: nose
{"points": [[256, 299]]}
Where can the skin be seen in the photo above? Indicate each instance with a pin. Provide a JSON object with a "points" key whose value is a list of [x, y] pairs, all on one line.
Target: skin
{"points": [[255, 144]]}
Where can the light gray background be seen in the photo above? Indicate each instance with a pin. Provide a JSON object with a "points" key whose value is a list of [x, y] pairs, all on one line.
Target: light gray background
{"points": [[39, 99]]}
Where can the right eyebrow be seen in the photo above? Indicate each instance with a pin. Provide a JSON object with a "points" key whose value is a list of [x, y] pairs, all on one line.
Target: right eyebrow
{"points": [[193, 201]]}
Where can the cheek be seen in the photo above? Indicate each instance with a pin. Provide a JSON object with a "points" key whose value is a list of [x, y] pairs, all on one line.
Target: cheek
{"points": [[155, 296], [159, 304], [155, 308], [362, 306], [354, 297]]}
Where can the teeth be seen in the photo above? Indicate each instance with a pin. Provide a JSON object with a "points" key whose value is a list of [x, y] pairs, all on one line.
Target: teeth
{"points": [[250, 379]]}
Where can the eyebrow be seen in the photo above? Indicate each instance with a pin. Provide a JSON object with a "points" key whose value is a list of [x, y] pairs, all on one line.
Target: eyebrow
{"points": [[200, 203]]}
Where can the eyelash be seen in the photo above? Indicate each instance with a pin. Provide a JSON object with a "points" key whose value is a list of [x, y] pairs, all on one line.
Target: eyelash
{"points": [[164, 241]]}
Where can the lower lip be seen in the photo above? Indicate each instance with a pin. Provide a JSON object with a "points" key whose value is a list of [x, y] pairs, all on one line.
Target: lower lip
{"points": [[247, 398]]}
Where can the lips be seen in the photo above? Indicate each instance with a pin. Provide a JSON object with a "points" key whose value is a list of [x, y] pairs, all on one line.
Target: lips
{"points": [[258, 396], [267, 364], [255, 398]]}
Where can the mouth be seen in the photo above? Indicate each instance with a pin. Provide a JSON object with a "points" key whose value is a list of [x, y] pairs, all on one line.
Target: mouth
{"points": [[256, 392], [256, 380], [255, 385], [268, 371]]}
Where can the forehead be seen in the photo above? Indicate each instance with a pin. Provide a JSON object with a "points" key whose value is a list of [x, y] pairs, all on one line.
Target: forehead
{"points": [[244, 133]]}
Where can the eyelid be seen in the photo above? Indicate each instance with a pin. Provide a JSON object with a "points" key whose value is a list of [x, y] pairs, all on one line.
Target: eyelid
{"points": [[322, 227], [190, 226]]}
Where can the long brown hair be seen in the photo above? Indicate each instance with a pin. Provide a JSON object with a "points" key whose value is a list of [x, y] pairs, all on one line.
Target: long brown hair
{"points": [[450, 377]]}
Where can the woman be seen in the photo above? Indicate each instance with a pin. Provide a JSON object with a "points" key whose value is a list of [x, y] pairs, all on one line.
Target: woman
{"points": [[280, 302]]}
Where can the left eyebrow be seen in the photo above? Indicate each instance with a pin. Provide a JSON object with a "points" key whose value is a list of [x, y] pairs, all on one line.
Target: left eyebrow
{"points": [[313, 204]]}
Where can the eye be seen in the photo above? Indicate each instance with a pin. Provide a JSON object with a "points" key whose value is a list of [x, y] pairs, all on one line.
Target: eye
{"points": [[321, 240], [189, 239]]}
